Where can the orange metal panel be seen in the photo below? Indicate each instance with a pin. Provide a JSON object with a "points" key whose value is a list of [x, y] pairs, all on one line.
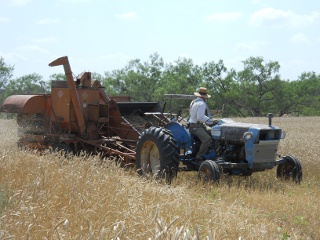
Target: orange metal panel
{"points": [[60, 105], [62, 110], [93, 112], [73, 91], [24, 104], [88, 97]]}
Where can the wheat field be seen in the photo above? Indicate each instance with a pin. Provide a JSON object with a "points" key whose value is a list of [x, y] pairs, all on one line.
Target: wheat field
{"points": [[50, 196]]}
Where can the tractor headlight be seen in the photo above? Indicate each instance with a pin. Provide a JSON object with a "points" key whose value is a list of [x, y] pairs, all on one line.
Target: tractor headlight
{"points": [[283, 134], [247, 136]]}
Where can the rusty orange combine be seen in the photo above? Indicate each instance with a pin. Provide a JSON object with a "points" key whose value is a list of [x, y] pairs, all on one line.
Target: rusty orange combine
{"points": [[78, 115]]}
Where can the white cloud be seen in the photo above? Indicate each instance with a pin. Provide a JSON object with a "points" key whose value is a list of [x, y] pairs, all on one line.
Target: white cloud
{"points": [[277, 17], [128, 16], [47, 21], [223, 16], [4, 20], [251, 46], [299, 38], [32, 48], [305, 20], [12, 57]]}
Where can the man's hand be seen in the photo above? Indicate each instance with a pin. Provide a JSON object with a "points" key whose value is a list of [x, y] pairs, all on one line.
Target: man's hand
{"points": [[211, 122], [215, 122]]}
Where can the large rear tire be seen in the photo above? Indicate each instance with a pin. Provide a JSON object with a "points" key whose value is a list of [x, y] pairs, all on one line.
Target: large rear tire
{"points": [[291, 169], [209, 172], [157, 154]]}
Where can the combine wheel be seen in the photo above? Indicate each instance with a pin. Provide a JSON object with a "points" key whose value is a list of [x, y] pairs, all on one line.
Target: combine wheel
{"points": [[209, 172], [157, 154], [291, 169]]}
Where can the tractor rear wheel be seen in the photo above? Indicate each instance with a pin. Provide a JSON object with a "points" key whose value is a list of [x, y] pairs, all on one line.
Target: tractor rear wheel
{"points": [[157, 154], [209, 172], [291, 169]]}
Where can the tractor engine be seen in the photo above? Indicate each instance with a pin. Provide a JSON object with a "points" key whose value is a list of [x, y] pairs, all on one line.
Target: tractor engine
{"points": [[231, 152]]}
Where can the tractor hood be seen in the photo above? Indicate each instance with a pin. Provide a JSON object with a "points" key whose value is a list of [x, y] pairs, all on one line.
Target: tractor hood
{"points": [[227, 129], [24, 104]]}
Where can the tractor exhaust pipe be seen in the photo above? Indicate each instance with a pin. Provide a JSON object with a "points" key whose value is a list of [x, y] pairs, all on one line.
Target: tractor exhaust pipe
{"points": [[270, 116]]}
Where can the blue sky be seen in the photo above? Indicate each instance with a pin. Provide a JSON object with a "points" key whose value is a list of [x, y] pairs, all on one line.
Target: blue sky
{"points": [[103, 35]]}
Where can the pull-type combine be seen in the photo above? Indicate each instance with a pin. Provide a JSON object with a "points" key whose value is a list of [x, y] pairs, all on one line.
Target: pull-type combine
{"points": [[79, 116]]}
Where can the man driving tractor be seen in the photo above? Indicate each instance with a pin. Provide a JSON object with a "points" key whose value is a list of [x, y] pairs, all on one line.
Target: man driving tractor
{"points": [[200, 118]]}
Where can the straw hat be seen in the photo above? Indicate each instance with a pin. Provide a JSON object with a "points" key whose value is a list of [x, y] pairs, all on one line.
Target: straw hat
{"points": [[202, 92]]}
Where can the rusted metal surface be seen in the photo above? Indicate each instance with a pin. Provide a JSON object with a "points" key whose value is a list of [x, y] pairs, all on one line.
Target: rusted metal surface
{"points": [[104, 97], [24, 104], [119, 126], [84, 79], [121, 98], [73, 91], [63, 112], [79, 114], [112, 146]]}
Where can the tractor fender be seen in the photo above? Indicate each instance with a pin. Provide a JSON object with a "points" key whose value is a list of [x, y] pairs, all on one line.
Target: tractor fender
{"points": [[180, 134]]}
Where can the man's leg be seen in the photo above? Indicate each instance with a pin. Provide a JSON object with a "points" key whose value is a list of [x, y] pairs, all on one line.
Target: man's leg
{"points": [[205, 139]]}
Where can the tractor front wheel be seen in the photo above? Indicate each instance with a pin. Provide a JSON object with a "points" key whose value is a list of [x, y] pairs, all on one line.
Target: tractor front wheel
{"points": [[209, 172], [157, 154], [290, 169]]}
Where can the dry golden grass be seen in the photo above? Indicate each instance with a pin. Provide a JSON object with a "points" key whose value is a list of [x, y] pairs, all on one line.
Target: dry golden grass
{"points": [[50, 197]]}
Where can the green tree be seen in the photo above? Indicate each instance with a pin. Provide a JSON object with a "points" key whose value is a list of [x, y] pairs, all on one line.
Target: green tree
{"points": [[307, 92], [114, 82], [182, 77], [57, 77], [284, 100], [96, 76], [138, 80], [219, 86], [142, 78], [230, 95], [28, 84], [5, 75], [257, 81]]}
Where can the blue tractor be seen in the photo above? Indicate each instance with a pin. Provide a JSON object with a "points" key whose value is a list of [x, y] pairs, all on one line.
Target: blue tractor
{"points": [[236, 149]]}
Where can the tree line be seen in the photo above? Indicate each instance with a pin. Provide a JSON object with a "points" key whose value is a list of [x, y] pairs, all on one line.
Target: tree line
{"points": [[255, 90]]}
